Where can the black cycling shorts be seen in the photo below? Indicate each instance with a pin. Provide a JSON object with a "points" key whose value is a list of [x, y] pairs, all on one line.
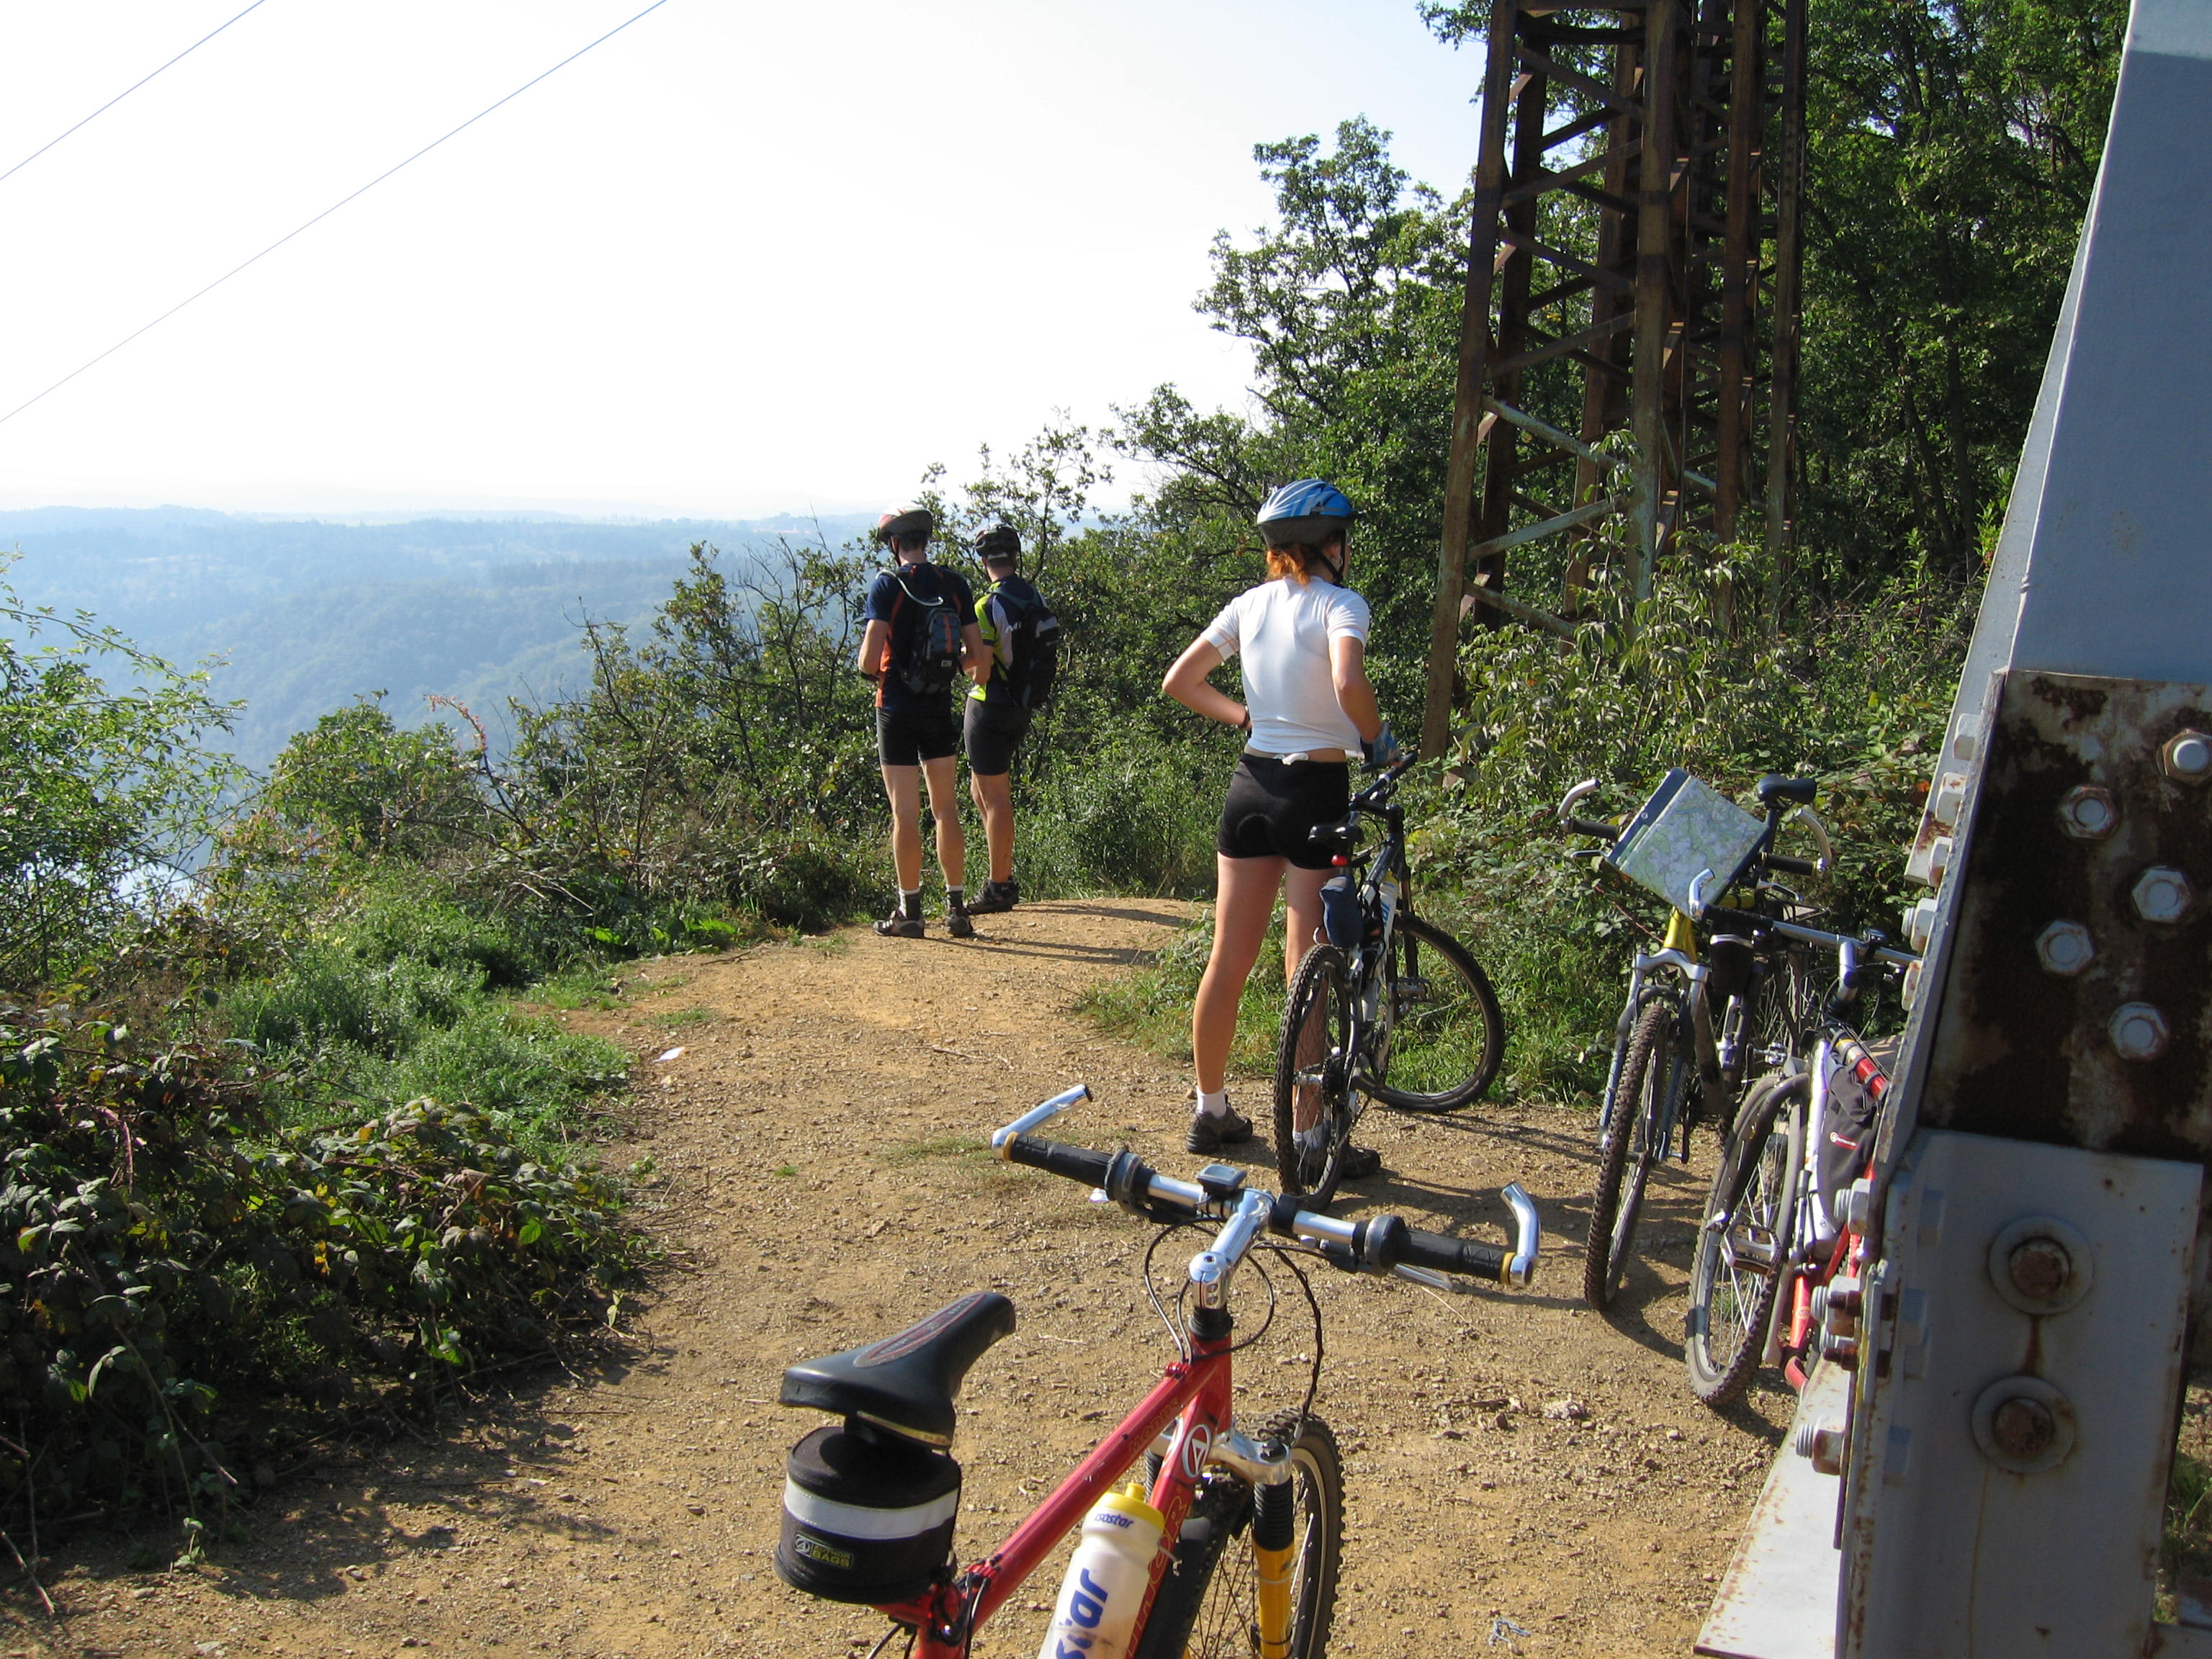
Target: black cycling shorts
{"points": [[907, 737], [1274, 804], [992, 731]]}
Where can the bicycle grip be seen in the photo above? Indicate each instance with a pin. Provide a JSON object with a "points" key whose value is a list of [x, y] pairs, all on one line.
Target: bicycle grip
{"points": [[1454, 1256], [1057, 1157], [1592, 827], [1789, 866]]}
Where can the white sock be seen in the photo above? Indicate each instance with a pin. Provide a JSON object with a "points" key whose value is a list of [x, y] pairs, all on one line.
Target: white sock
{"points": [[1215, 1104], [1313, 1140]]}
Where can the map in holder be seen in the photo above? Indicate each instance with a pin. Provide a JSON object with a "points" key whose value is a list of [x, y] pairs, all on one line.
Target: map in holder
{"points": [[1683, 829]]}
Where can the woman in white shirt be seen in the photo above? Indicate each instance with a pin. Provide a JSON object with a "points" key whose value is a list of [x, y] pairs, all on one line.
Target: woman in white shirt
{"points": [[1302, 636]]}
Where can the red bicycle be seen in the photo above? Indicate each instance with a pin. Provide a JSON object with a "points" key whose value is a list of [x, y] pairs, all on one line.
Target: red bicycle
{"points": [[1251, 1525]]}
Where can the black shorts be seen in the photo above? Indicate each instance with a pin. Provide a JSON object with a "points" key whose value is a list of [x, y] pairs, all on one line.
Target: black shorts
{"points": [[992, 731], [907, 737], [1274, 804]]}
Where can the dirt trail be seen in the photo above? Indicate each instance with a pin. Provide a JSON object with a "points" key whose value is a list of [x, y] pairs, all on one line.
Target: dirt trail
{"points": [[821, 1182]]}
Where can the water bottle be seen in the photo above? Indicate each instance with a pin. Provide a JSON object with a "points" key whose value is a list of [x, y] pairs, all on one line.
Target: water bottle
{"points": [[1106, 1578], [1387, 888]]}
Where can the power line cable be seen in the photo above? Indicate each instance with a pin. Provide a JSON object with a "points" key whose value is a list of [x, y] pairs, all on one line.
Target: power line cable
{"points": [[123, 94], [325, 213]]}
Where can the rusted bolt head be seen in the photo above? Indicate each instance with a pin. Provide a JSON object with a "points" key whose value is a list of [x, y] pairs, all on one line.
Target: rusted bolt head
{"points": [[2065, 948], [2187, 757], [2138, 1031], [2023, 1428], [2040, 1269], [2088, 813], [2162, 893]]}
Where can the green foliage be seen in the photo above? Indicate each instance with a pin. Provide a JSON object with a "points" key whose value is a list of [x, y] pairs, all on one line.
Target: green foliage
{"points": [[1855, 696], [1951, 147], [110, 792], [355, 782], [161, 1250]]}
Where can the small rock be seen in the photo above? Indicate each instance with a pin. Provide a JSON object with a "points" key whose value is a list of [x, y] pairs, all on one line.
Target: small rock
{"points": [[264, 1475], [697, 1508], [663, 1058], [1566, 1411], [1673, 1434], [509, 1583]]}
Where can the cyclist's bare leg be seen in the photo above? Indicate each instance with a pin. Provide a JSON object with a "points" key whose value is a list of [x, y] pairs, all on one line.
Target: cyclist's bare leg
{"points": [[1243, 904], [943, 776], [903, 785], [995, 800], [1301, 897]]}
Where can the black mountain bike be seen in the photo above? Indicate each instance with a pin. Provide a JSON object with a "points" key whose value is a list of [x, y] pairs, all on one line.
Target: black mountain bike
{"points": [[1387, 1007], [1702, 1019]]}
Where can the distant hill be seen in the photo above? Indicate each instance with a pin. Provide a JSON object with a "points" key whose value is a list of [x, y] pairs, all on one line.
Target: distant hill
{"points": [[311, 614]]}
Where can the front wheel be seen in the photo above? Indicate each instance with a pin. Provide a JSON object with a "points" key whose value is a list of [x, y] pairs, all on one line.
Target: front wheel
{"points": [[1743, 1240], [1209, 1601], [1651, 1073], [1448, 1034], [1313, 1077]]}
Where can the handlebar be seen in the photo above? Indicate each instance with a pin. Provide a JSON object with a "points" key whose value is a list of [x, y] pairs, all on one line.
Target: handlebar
{"points": [[1380, 1244]]}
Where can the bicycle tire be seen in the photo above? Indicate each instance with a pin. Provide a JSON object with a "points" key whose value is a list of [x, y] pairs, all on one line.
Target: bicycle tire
{"points": [[1208, 1603], [1781, 1014], [1314, 1042], [1630, 1141], [1757, 1169], [1447, 1032]]}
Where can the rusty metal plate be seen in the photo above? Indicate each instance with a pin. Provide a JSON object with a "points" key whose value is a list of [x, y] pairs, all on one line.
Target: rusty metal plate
{"points": [[2074, 1007], [1778, 1598]]}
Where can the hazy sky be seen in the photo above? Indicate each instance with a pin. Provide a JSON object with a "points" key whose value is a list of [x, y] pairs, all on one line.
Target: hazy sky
{"points": [[740, 258]]}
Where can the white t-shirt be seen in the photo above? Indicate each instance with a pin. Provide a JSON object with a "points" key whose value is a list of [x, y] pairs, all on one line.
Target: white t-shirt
{"points": [[1284, 630]]}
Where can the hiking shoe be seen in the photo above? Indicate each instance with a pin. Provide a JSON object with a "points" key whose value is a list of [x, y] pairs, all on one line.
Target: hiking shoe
{"points": [[899, 925], [957, 924], [996, 896], [1209, 1134], [1359, 1163]]}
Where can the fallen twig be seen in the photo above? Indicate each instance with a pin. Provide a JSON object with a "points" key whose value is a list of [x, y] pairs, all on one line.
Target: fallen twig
{"points": [[960, 1054]]}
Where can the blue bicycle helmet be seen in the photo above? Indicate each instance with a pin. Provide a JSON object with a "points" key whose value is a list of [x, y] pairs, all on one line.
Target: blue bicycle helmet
{"points": [[1307, 511]]}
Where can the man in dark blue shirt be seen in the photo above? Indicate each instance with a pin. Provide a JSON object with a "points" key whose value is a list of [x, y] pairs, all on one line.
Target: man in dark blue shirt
{"points": [[920, 638]]}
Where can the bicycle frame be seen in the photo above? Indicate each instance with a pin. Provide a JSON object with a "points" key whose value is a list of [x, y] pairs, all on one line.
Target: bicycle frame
{"points": [[1193, 1398]]}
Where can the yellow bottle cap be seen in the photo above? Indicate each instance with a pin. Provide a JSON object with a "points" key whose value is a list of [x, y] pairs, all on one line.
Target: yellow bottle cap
{"points": [[1129, 1500]]}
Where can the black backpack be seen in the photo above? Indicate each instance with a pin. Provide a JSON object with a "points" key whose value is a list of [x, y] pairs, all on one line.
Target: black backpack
{"points": [[1032, 641], [931, 658]]}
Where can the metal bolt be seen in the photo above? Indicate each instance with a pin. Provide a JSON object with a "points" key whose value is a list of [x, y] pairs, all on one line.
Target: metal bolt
{"points": [[1950, 796], [2138, 1031], [1823, 1443], [2163, 894], [2023, 1428], [2088, 813], [2065, 948], [2187, 757], [1939, 858], [2040, 1269]]}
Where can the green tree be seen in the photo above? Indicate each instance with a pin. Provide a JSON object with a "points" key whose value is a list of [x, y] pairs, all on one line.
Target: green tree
{"points": [[111, 792]]}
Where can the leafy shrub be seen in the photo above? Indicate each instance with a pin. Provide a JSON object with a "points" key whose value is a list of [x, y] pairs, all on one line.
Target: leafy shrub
{"points": [[1856, 695], [163, 1253], [530, 1074], [1136, 818]]}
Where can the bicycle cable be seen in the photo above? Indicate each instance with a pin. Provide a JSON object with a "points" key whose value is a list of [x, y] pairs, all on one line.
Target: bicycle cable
{"points": [[1175, 1336], [1289, 1255]]}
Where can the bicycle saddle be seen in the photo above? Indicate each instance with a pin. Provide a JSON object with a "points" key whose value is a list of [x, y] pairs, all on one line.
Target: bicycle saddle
{"points": [[906, 1383], [1799, 791]]}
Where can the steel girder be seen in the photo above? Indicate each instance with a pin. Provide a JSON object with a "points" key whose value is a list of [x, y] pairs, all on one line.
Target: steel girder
{"points": [[1633, 267]]}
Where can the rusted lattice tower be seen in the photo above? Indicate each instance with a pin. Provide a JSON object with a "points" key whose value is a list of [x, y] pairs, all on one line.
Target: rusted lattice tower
{"points": [[1633, 268]]}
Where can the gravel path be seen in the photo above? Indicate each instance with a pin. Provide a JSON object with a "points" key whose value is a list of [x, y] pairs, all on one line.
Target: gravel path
{"points": [[1522, 1476]]}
